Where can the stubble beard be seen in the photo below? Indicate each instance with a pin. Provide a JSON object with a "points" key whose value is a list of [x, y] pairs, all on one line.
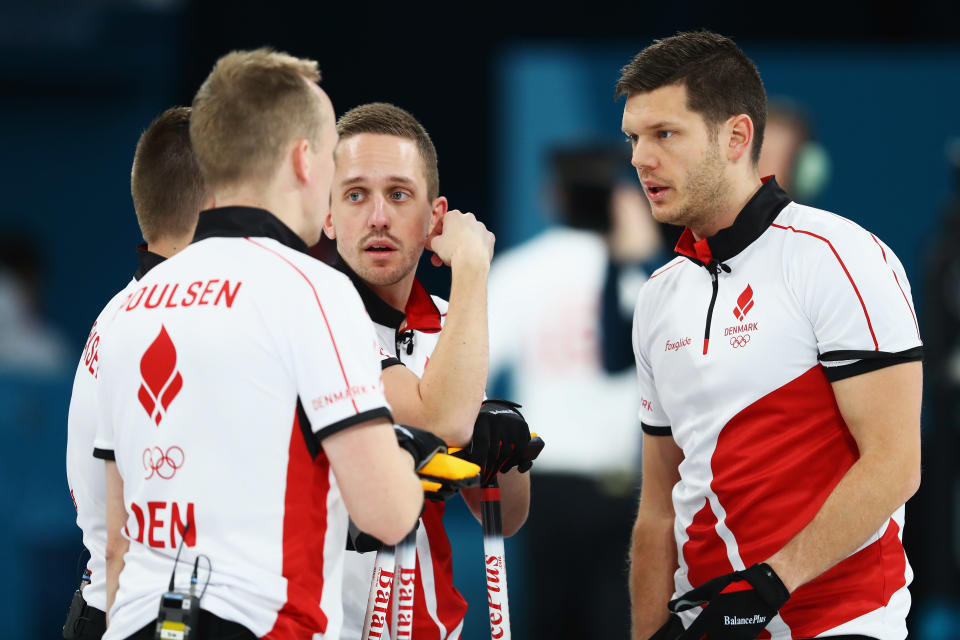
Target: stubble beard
{"points": [[706, 192], [383, 277]]}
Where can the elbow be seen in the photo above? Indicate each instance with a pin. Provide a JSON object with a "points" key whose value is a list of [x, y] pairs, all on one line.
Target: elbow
{"points": [[115, 550], [911, 483], [512, 526], [394, 519]]}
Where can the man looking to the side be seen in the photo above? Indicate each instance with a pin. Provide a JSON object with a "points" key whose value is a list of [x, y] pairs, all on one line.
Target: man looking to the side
{"points": [[778, 360]]}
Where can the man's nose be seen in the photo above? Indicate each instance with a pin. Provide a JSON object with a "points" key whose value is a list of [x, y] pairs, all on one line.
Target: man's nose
{"points": [[378, 213], [644, 156]]}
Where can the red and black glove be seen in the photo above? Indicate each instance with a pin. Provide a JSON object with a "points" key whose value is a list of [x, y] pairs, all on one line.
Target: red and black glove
{"points": [[500, 439], [739, 605]]}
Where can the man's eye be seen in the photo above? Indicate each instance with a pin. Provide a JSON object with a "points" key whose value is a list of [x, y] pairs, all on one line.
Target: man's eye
{"points": [[663, 135], [631, 138], [399, 196], [354, 196]]}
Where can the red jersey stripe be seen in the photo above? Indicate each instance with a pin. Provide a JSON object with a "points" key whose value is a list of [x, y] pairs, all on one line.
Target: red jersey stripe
{"points": [[304, 516], [316, 297], [897, 280], [876, 345]]}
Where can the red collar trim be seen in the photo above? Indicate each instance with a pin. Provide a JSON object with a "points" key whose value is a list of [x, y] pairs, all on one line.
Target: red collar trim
{"points": [[696, 249], [421, 312]]}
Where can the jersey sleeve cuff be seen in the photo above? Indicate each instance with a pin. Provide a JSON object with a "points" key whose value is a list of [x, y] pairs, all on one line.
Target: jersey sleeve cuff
{"points": [[363, 416], [104, 454], [656, 430], [389, 362], [865, 361]]}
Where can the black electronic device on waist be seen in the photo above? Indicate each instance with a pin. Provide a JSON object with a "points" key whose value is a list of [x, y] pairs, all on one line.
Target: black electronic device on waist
{"points": [[179, 612]]}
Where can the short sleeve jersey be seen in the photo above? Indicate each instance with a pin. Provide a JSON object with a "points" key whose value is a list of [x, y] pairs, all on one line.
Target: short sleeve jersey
{"points": [[225, 369], [737, 341], [85, 476], [408, 338]]}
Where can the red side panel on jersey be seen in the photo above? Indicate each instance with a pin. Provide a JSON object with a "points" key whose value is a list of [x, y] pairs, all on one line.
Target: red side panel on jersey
{"points": [[797, 429], [799, 432], [304, 530], [704, 551], [860, 584], [451, 607]]}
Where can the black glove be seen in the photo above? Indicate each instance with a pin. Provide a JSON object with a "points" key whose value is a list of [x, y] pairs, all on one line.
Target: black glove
{"points": [[741, 604], [500, 438], [363, 542], [421, 444], [359, 541]]}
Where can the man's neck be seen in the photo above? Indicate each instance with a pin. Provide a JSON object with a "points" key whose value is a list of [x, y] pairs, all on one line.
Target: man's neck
{"points": [[169, 246], [740, 193], [397, 294], [284, 206]]}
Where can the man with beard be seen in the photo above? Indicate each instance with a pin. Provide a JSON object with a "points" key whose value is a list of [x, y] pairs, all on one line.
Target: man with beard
{"points": [[385, 208], [778, 359]]}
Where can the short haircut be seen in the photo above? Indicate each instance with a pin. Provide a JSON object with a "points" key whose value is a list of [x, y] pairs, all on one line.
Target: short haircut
{"points": [[165, 182], [391, 120], [250, 108], [721, 81]]}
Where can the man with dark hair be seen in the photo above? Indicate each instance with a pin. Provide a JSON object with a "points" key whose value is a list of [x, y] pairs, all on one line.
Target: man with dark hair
{"points": [[385, 209], [779, 447], [168, 192]]}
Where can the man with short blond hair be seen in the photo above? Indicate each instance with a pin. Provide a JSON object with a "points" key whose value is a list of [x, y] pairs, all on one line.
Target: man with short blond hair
{"points": [[246, 374], [168, 193]]}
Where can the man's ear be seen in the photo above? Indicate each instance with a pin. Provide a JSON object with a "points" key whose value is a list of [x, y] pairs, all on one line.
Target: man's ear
{"points": [[300, 156], [328, 227], [740, 133], [438, 210]]}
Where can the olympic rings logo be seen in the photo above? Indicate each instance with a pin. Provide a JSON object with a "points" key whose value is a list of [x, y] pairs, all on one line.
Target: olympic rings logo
{"points": [[740, 341], [163, 464]]}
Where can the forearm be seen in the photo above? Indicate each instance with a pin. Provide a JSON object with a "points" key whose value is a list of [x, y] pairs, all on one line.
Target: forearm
{"points": [[514, 500], [864, 499], [452, 386], [653, 561], [116, 518], [114, 557]]}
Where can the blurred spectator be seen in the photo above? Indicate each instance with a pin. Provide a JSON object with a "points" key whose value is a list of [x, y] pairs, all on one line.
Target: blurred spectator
{"points": [[29, 345], [561, 310], [934, 543], [791, 152]]}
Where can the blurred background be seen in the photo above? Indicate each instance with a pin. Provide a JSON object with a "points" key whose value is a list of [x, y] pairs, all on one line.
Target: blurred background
{"points": [[501, 89]]}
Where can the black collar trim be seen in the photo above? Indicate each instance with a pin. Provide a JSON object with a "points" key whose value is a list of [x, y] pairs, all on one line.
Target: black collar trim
{"points": [[380, 312], [245, 222], [755, 218], [147, 259], [421, 313]]}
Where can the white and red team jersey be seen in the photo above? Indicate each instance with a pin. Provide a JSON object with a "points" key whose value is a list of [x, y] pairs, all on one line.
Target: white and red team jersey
{"points": [[223, 372], [85, 474], [409, 339], [737, 367]]}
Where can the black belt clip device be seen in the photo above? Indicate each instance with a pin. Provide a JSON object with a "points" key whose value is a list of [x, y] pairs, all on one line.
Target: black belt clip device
{"points": [[178, 617], [179, 612]]}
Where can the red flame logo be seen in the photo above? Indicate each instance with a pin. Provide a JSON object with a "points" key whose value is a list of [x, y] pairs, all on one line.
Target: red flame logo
{"points": [[744, 303], [161, 380]]}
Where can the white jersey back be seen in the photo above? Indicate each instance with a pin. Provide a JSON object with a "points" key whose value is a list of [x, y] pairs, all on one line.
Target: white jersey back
{"points": [[85, 474], [202, 378]]}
